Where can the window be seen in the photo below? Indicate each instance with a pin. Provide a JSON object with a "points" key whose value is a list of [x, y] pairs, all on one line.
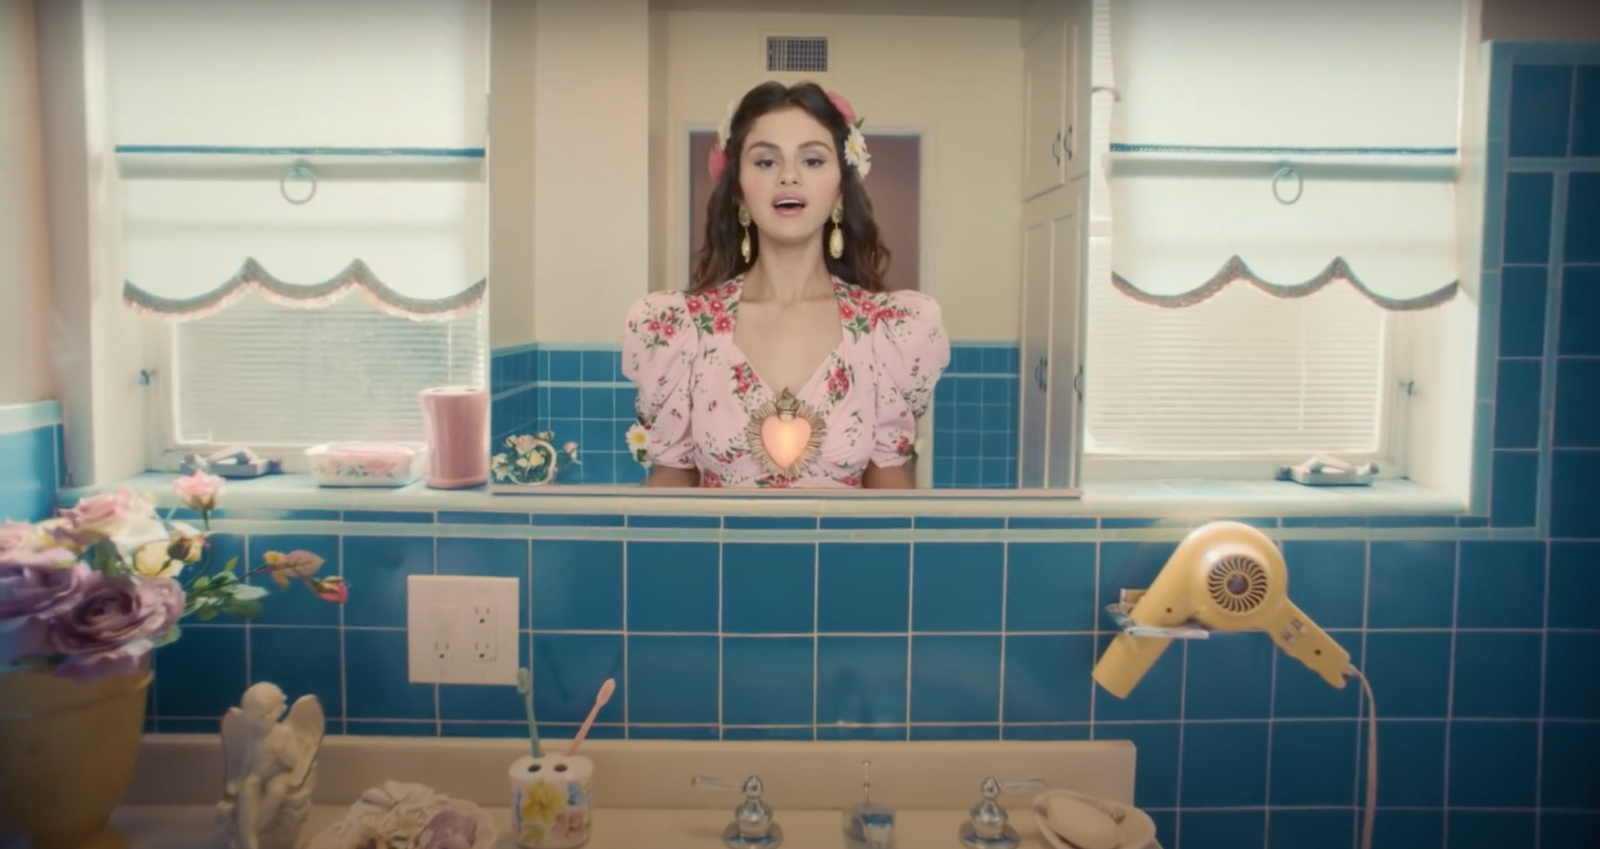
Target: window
{"points": [[266, 375], [1242, 378]]}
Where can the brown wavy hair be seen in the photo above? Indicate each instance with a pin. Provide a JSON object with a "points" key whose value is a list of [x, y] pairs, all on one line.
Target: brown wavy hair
{"points": [[866, 258]]}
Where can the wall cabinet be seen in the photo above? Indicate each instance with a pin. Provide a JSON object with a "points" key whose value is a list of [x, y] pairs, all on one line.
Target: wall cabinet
{"points": [[1057, 42]]}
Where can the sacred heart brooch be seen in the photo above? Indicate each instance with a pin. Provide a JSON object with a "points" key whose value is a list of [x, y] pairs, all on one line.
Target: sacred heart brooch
{"points": [[785, 435]]}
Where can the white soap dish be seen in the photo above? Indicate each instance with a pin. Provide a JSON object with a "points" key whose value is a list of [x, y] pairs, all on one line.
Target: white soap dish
{"points": [[1134, 828]]}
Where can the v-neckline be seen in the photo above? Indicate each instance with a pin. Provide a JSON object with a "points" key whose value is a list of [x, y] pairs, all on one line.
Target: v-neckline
{"points": [[827, 359]]}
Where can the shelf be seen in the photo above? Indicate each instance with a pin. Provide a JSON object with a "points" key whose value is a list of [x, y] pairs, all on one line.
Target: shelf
{"points": [[1407, 156], [235, 162]]}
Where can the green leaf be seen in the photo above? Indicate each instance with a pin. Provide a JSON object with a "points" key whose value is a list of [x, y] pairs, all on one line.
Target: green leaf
{"points": [[241, 608], [206, 612], [228, 568], [246, 592], [201, 583], [170, 636]]}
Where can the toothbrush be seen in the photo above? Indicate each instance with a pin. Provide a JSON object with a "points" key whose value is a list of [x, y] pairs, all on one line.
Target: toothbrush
{"points": [[600, 700], [525, 687]]}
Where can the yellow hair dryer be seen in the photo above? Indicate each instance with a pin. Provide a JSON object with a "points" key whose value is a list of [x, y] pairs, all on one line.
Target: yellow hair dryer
{"points": [[1226, 576]]}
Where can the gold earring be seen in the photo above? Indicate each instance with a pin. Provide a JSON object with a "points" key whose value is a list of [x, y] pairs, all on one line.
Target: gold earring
{"points": [[744, 224], [836, 240]]}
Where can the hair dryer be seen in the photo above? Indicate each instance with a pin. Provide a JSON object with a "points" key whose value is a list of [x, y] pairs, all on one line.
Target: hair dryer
{"points": [[1226, 576]]}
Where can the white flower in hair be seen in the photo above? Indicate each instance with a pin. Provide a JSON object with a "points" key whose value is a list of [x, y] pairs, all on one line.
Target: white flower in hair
{"points": [[855, 152], [725, 129]]}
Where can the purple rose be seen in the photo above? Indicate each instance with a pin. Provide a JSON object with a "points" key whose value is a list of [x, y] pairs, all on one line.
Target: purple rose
{"points": [[35, 584], [111, 627]]}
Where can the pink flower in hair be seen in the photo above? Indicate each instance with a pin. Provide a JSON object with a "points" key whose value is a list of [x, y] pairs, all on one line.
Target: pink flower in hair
{"points": [[717, 162], [841, 103]]}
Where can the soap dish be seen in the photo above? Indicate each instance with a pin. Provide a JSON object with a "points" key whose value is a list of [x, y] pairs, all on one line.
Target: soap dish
{"points": [[1135, 829]]}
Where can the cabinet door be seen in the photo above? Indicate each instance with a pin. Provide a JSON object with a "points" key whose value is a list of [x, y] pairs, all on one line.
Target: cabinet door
{"points": [[1044, 64], [1077, 33], [1066, 336], [1033, 414]]}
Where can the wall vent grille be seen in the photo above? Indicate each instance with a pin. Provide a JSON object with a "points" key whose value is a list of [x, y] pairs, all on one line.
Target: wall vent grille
{"points": [[797, 54]]}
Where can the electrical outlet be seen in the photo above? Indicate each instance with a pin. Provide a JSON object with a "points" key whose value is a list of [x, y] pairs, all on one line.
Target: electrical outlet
{"points": [[462, 629]]}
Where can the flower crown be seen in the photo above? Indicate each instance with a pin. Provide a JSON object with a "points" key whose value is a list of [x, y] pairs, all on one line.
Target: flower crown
{"points": [[855, 144]]}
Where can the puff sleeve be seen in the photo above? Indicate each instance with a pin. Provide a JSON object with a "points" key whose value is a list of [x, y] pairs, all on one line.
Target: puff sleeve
{"points": [[659, 349], [912, 350]]}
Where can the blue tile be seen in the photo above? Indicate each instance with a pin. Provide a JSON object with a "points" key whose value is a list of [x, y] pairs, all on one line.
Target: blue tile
{"points": [[1571, 749], [770, 523], [1413, 585], [1541, 106], [1411, 759], [1303, 829], [1568, 828], [1574, 694], [1577, 413], [955, 732], [488, 558], [408, 517], [861, 680], [577, 520], [1224, 765], [302, 661], [569, 669], [376, 569], [577, 585], [1301, 693], [863, 587], [957, 586], [1328, 580], [1229, 677], [673, 679], [1575, 585], [1502, 584], [1491, 829], [1409, 829], [1158, 695], [1047, 678], [1493, 764], [674, 522], [1497, 675], [295, 606], [1516, 403], [1050, 586], [1046, 733], [1222, 828], [378, 685], [672, 586], [1512, 501], [768, 680], [27, 474], [481, 517], [1128, 565], [566, 366], [1329, 745], [1156, 750], [1586, 112], [955, 523], [1572, 513], [1580, 310], [1583, 217], [1523, 290], [1412, 671], [487, 703], [1529, 196], [768, 588], [202, 674], [955, 678]]}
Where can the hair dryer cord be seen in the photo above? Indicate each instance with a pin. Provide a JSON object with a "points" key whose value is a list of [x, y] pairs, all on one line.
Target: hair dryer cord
{"points": [[1372, 756]]}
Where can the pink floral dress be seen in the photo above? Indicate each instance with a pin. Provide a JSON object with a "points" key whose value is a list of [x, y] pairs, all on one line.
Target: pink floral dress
{"points": [[704, 405]]}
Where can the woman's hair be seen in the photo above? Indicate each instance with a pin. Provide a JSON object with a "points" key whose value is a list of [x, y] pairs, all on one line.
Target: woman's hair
{"points": [[865, 260]]}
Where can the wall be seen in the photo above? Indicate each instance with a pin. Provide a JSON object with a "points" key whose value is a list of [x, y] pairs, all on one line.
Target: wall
{"points": [[24, 277], [1478, 638]]}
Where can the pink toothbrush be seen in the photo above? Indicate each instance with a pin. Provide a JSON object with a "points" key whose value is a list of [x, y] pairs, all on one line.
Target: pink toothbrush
{"points": [[600, 700]]}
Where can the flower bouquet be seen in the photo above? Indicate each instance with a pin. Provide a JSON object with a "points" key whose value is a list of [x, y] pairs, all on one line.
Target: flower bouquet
{"points": [[533, 460], [84, 599]]}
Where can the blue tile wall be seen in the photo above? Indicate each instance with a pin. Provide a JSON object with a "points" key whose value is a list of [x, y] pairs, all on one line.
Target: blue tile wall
{"points": [[580, 394], [31, 465], [1479, 633]]}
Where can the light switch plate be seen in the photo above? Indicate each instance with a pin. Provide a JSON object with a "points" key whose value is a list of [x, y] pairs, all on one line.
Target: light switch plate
{"points": [[462, 629]]}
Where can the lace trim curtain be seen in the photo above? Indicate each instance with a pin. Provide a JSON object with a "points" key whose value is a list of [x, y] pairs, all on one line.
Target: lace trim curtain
{"points": [[381, 102]]}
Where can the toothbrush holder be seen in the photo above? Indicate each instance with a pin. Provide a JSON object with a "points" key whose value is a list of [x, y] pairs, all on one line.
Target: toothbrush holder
{"points": [[550, 801]]}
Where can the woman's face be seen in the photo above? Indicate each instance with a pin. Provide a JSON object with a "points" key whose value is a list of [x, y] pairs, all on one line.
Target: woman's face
{"points": [[789, 176]]}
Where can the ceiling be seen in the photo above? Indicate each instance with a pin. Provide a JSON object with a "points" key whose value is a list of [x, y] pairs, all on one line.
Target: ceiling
{"points": [[924, 8]]}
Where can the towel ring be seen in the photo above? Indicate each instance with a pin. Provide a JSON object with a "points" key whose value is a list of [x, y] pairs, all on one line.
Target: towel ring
{"points": [[1299, 184], [298, 170]]}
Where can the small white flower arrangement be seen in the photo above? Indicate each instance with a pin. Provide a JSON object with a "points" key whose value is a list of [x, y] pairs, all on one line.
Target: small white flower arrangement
{"points": [[638, 439], [533, 460]]}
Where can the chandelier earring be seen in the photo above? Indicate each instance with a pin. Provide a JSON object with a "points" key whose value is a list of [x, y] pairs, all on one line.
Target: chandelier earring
{"points": [[744, 224], [836, 238]]}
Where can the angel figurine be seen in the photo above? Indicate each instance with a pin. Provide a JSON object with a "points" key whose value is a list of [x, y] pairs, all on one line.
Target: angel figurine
{"points": [[270, 768]]}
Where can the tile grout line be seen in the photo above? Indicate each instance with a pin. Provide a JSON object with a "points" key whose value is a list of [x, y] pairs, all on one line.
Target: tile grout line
{"points": [[911, 612], [816, 634], [1450, 687], [1544, 682], [1005, 589]]}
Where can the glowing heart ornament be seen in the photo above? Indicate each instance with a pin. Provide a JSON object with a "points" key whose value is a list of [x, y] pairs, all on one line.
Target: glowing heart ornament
{"points": [[785, 435]]}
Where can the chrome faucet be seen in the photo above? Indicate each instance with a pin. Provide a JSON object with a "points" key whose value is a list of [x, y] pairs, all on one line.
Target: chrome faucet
{"points": [[752, 826], [869, 826], [988, 825]]}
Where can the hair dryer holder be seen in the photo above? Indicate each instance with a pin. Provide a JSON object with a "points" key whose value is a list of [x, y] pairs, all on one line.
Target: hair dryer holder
{"points": [[1126, 599]]}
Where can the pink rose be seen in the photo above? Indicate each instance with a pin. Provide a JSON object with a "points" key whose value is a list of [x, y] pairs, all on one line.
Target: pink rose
{"points": [[100, 516], [15, 535], [843, 105], [114, 623], [331, 590], [717, 162], [199, 491], [42, 586]]}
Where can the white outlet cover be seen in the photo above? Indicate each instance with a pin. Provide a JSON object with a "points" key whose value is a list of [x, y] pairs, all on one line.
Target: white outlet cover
{"points": [[462, 629]]}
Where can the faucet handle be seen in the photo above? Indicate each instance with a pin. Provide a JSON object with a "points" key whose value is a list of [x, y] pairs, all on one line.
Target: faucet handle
{"points": [[752, 826], [988, 825]]}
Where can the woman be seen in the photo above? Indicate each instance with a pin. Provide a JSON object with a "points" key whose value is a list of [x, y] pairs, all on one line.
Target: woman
{"points": [[787, 363]]}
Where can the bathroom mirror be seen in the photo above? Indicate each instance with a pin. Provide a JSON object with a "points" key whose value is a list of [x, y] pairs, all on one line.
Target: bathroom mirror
{"points": [[1151, 263]]}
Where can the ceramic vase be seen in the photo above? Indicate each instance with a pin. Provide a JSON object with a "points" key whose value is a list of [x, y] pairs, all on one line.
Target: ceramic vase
{"points": [[67, 755]]}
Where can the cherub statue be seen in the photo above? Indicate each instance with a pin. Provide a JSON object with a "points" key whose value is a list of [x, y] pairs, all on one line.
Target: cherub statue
{"points": [[270, 768]]}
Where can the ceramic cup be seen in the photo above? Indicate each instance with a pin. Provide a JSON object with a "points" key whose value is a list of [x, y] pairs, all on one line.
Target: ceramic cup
{"points": [[550, 807]]}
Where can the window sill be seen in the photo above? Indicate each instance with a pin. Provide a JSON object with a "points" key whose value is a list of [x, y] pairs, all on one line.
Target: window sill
{"points": [[292, 496]]}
